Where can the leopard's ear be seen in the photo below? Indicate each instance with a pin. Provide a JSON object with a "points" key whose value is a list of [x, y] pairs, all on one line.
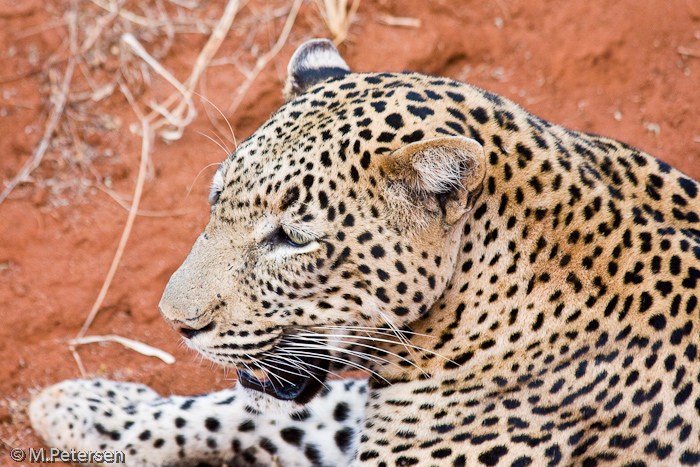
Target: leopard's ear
{"points": [[314, 61], [431, 178]]}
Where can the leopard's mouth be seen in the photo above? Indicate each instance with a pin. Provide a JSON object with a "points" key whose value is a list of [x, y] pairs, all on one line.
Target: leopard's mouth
{"points": [[299, 379]]}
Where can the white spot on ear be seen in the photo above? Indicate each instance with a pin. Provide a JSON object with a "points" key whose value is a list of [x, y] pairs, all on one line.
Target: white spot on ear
{"points": [[313, 62], [315, 54]]}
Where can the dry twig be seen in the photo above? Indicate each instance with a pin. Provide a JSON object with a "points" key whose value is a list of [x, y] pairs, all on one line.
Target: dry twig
{"points": [[102, 23], [178, 121], [209, 50], [686, 52], [56, 113], [263, 61], [137, 346], [338, 17], [167, 119], [398, 21], [7, 443], [147, 131], [145, 150], [144, 21]]}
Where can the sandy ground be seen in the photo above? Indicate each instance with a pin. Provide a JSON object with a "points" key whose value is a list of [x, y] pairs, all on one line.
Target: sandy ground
{"points": [[628, 69]]}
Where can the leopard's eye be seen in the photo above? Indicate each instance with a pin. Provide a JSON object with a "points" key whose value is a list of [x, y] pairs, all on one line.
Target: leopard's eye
{"points": [[217, 186], [214, 196], [295, 237]]}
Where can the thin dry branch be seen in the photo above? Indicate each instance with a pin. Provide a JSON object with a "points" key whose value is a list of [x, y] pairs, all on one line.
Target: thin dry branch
{"points": [[102, 23], [125, 14], [399, 21], [175, 117], [148, 129], [211, 47], [7, 443], [145, 150], [56, 113], [338, 17], [143, 21], [140, 347], [687, 52], [39, 29], [176, 120], [265, 59]]}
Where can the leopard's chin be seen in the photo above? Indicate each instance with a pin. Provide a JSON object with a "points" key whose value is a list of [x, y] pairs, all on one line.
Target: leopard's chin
{"points": [[298, 380]]}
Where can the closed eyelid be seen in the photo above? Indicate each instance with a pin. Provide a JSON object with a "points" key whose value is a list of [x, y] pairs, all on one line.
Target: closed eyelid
{"points": [[217, 186]]}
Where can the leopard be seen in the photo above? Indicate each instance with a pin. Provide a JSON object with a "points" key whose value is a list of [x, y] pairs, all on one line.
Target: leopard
{"points": [[517, 293]]}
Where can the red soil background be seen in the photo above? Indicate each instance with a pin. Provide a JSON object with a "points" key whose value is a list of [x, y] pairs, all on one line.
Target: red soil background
{"points": [[628, 69]]}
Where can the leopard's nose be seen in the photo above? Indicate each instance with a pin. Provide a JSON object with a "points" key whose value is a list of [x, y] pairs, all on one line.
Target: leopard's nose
{"points": [[186, 330]]}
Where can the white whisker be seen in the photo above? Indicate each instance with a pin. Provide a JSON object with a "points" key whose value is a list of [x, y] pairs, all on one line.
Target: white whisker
{"points": [[369, 329], [189, 190], [415, 347], [284, 361], [386, 351], [332, 358], [401, 337], [302, 365], [215, 142], [235, 145], [327, 346], [223, 143], [266, 367]]}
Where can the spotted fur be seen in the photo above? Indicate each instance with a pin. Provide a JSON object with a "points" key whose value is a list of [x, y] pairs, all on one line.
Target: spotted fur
{"points": [[222, 427], [520, 293]]}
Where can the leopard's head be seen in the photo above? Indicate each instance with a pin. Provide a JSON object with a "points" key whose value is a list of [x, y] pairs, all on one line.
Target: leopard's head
{"points": [[333, 227]]}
